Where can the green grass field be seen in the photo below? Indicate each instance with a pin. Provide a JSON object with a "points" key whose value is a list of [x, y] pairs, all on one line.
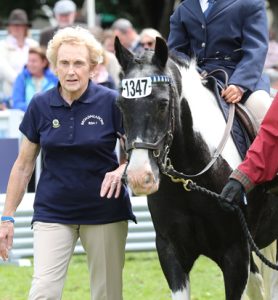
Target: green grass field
{"points": [[143, 280]]}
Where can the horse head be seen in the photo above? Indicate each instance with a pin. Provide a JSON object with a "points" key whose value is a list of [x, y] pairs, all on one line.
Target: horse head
{"points": [[147, 107]]}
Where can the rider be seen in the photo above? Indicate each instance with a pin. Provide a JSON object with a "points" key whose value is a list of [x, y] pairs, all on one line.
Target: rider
{"points": [[229, 35]]}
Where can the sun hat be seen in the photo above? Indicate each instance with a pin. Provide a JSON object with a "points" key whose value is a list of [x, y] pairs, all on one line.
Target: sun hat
{"points": [[18, 17], [64, 7]]}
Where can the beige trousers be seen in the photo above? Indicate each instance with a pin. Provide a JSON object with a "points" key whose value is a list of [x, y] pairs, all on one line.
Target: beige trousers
{"points": [[54, 245], [258, 103]]}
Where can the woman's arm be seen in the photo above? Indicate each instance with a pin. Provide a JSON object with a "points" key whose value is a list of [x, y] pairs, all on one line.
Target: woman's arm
{"points": [[19, 178]]}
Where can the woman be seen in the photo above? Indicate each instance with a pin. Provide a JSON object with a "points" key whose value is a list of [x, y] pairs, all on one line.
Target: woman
{"points": [[76, 125], [35, 77], [148, 37], [14, 49]]}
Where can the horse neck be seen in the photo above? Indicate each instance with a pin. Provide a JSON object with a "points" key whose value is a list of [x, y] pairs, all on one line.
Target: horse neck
{"points": [[189, 150]]}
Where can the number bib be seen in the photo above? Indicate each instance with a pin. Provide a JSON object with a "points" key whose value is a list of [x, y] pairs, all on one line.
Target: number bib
{"points": [[136, 87]]}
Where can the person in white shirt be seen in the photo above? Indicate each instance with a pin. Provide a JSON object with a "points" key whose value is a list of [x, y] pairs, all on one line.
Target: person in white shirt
{"points": [[14, 49]]}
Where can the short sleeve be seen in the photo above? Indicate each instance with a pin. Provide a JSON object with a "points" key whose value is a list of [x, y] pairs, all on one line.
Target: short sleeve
{"points": [[118, 119], [29, 125]]}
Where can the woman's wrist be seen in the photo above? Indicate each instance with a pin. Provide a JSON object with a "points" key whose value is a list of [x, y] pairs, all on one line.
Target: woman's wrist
{"points": [[7, 219]]}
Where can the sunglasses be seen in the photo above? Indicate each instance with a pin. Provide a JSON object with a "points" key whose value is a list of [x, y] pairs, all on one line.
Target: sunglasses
{"points": [[147, 44]]}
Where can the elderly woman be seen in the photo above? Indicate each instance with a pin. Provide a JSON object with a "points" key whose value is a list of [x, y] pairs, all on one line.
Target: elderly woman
{"points": [[79, 194]]}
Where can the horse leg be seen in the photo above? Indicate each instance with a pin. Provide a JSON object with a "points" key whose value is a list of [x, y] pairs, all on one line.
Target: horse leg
{"points": [[264, 282], [176, 276], [255, 286], [274, 278], [235, 268]]}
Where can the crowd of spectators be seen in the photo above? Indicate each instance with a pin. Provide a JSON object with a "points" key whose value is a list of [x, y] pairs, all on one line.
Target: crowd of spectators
{"points": [[19, 52], [24, 69]]}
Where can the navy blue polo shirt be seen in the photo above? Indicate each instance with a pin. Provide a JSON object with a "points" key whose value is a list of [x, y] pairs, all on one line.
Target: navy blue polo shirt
{"points": [[77, 144]]}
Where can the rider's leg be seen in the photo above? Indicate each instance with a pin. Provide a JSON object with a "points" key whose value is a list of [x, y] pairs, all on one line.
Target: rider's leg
{"points": [[258, 103]]}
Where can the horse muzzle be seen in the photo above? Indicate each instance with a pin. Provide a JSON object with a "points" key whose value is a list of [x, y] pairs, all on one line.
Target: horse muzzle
{"points": [[142, 183], [141, 175]]}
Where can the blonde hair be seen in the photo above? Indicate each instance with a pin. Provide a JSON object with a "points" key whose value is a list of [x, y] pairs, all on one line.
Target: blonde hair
{"points": [[78, 36], [40, 51], [150, 32]]}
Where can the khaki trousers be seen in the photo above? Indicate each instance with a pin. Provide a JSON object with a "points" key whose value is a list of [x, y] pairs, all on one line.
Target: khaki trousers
{"points": [[258, 103], [54, 245]]}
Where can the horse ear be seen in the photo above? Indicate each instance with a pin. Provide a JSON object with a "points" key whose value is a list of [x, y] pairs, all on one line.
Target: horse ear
{"points": [[160, 51], [123, 55]]}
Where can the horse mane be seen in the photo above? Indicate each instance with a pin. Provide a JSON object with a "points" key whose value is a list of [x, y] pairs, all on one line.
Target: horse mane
{"points": [[207, 119]]}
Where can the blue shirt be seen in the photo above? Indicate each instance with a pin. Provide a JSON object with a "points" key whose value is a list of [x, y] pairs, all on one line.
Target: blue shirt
{"points": [[24, 88], [77, 143]]}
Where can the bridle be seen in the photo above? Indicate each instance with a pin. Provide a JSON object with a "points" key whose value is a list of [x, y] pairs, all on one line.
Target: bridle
{"points": [[161, 147]]}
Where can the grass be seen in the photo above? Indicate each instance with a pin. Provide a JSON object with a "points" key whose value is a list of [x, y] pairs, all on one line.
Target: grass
{"points": [[143, 280]]}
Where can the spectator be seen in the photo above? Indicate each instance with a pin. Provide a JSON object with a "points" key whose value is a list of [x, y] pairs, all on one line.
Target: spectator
{"points": [[108, 39], [79, 193], [111, 67], [65, 14], [128, 36], [147, 38], [14, 49], [271, 62], [35, 77], [101, 74]]}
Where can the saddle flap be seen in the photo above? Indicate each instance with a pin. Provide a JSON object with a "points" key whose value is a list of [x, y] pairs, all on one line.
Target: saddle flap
{"points": [[244, 129], [247, 120]]}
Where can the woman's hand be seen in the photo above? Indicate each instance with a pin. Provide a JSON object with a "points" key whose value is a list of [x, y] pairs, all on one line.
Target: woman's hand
{"points": [[6, 239], [111, 183]]}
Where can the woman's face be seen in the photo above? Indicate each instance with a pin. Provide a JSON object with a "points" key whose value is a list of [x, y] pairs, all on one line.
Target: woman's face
{"points": [[18, 31], [73, 69], [36, 64]]}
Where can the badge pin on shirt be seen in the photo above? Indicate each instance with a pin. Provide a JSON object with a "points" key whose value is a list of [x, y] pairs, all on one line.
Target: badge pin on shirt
{"points": [[56, 123]]}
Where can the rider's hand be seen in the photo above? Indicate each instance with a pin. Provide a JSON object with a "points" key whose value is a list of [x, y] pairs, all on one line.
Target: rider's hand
{"points": [[233, 191], [232, 94], [6, 239]]}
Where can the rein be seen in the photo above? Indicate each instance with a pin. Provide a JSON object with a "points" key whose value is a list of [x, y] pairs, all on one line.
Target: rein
{"points": [[189, 185]]}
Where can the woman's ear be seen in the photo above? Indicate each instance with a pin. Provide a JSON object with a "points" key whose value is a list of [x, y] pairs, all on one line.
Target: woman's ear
{"points": [[93, 67]]}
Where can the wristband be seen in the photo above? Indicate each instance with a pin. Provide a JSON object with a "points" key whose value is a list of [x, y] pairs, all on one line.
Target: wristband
{"points": [[7, 219]]}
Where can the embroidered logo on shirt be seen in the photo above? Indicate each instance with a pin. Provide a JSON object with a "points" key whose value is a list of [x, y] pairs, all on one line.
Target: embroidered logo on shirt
{"points": [[92, 120], [56, 123]]}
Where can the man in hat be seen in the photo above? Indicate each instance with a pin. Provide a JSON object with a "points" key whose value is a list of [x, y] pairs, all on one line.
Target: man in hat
{"points": [[14, 49], [65, 13]]}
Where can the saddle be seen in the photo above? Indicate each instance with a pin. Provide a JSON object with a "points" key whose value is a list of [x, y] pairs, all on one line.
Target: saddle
{"points": [[244, 129]]}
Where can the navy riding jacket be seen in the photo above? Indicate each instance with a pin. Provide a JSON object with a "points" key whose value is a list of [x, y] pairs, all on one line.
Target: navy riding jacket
{"points": [[234, 37]]}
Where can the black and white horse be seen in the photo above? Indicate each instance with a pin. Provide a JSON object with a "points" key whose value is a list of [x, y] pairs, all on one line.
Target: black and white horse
{"points": [[166, 108]]}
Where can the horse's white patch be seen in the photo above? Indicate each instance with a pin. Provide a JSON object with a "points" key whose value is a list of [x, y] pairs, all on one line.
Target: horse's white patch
{"points": [[184, 294], [207, 117], [139, 158], [255, 287]]}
